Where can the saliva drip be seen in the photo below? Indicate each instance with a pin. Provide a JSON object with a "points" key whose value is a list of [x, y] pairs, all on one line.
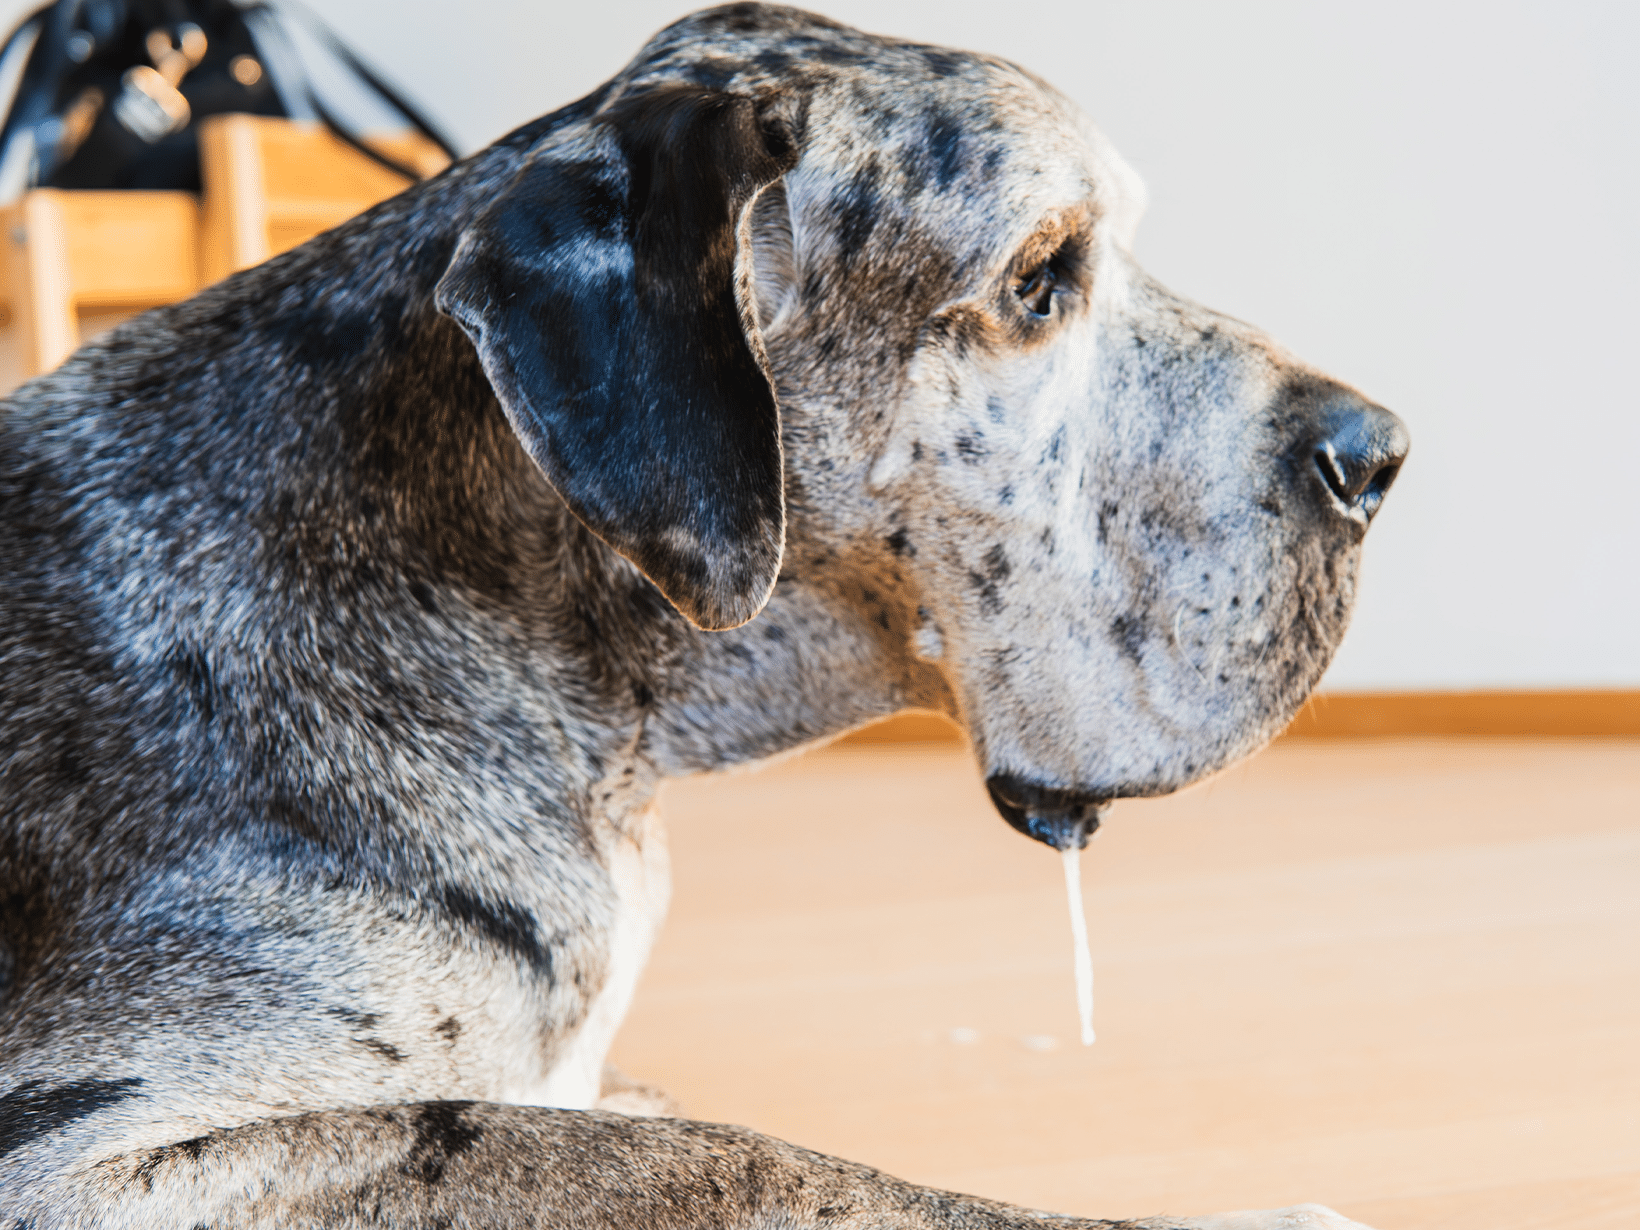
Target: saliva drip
{"points": [[1079, 940]]}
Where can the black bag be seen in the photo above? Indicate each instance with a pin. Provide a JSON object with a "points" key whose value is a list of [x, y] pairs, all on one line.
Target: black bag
{"points": [[112, 90]]}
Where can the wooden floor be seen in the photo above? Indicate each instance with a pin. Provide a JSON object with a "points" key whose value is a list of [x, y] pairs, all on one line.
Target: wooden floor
{"points": [[1401, 977]]}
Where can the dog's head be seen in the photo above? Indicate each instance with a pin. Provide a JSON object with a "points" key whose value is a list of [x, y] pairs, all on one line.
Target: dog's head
{"points": [[1122, 529]]}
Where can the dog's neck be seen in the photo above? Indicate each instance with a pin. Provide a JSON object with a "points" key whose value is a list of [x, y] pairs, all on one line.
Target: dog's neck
{"points": [[412, 484], [813, 664]]}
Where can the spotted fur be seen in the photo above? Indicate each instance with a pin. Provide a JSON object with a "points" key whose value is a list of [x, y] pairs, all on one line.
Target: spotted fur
{"points": [[354, 609]]}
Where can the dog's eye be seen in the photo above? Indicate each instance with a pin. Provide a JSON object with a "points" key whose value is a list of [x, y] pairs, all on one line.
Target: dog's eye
{"points": [[1036, 291]]}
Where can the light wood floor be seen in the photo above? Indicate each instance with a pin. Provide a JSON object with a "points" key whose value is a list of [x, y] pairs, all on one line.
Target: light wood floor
{"points": [[1401, 977]]}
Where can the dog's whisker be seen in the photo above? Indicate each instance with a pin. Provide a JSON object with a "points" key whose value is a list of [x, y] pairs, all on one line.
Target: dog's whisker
{"points": [[1178, 642]]}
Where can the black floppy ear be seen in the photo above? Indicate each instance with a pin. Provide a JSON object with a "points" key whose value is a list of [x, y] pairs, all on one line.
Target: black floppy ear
{"points": [[608, 291]]}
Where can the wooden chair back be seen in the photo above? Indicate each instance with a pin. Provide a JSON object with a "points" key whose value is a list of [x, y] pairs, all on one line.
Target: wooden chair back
{"points": [[74, 260], [271, 184], [67, 255]]}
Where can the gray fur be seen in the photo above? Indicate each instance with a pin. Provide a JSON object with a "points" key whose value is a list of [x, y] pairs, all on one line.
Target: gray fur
{"points": [[325, 725]]}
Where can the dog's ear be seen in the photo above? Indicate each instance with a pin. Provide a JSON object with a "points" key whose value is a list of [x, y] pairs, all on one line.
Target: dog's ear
{"points": [[610, 298]]}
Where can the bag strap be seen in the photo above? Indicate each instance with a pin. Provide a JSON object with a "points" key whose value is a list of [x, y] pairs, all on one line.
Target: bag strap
{"points": [[336, 47], [47, 61]]}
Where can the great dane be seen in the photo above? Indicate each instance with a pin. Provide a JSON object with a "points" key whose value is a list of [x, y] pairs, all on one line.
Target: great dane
{"points": [[354, 609]]}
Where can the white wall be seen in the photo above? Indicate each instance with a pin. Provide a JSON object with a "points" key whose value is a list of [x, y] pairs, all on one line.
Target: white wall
{"points": [[1433, 201]]}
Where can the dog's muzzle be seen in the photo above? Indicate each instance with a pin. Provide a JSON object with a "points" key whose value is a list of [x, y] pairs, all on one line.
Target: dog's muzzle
{"points": [[1063, 819]]}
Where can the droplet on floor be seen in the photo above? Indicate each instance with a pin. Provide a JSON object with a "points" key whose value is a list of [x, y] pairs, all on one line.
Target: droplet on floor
{"points": [[963, 1036], [1039, 1042]]}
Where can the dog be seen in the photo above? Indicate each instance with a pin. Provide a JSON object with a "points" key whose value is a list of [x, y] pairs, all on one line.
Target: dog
{"points": [[355, 608]]}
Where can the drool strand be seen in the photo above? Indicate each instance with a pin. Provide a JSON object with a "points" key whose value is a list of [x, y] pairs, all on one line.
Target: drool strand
{"points": [[1079, 940]]}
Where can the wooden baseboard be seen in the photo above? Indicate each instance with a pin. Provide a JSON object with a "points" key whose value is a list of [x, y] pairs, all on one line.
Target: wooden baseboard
{"points": [[1566, 714], [915, 727], [1343, 715]]}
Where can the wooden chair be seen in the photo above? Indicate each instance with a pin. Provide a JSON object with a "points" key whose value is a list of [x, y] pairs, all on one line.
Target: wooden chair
{"points": [[65, 256], [271, 184], [69, 260]]}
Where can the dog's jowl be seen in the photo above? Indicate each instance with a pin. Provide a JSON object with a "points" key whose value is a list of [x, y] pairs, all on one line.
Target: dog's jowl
{"points": [[353, 610]]}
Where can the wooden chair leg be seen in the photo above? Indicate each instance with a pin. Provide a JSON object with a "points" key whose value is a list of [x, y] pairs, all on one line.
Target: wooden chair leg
{"points": [[234, 217], [40, 287]]}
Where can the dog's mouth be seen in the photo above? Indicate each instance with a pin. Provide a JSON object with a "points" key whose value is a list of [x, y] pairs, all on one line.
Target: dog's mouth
{"points": [[1063, 819]]}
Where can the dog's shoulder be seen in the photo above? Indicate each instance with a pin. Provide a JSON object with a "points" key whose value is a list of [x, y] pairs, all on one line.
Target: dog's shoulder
{"points": [[252, 564]]}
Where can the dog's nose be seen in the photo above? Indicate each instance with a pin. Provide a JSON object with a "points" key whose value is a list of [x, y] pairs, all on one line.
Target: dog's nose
{"points": [[1359, 453]]}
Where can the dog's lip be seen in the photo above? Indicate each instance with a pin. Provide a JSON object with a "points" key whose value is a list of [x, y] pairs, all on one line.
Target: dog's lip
{"points": [[1053, 815]]}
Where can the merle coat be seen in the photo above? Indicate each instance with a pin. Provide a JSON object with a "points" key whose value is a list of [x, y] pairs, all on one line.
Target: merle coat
{"points": [[351, 612]]}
